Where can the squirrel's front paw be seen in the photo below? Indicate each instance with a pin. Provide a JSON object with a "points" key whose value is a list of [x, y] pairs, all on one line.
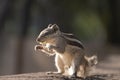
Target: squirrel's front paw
{"points": [[38, 47]]}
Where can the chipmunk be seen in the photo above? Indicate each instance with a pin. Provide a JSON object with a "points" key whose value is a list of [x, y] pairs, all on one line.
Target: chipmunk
{"points": [[69, 53]]}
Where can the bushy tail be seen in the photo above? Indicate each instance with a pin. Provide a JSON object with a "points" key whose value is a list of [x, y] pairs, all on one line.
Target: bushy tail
{"points": [[92, 61]]}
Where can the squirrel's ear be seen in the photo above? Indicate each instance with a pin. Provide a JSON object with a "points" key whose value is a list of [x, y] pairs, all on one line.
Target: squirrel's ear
{"points": [[49, 25], [55, 27]]}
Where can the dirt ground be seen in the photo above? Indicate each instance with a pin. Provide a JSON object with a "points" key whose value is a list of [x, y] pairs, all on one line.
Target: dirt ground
{"points": [[43, 76]]}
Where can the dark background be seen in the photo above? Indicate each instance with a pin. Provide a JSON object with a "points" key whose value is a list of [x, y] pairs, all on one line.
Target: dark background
{"points": [[95, 22]]}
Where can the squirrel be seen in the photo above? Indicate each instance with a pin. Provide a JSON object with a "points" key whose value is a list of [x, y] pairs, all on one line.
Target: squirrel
{"points": [[70, 58]]}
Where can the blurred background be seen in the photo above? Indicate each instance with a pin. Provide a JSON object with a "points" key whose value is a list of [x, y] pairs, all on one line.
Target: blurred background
{"points": [[95, 22]]}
